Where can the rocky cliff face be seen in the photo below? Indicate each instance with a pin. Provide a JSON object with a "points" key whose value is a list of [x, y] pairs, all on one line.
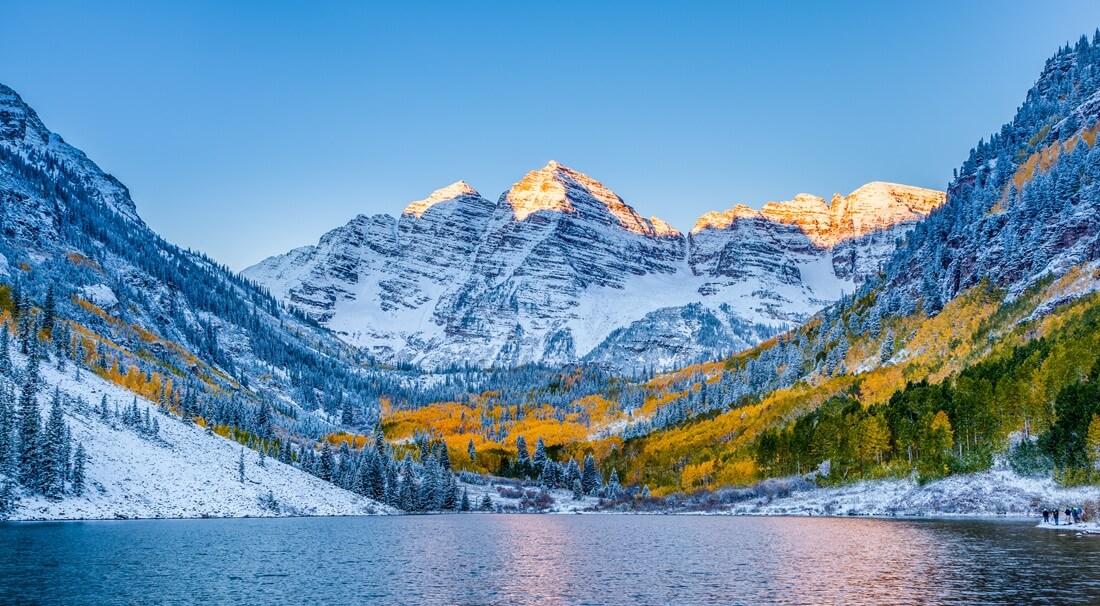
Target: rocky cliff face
{"points": [[560, 269]]}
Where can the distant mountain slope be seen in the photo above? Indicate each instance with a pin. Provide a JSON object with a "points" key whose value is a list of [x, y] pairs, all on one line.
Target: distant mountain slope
{"points": [[67, 224], [87, 288], [975, 347], [560, 269]]}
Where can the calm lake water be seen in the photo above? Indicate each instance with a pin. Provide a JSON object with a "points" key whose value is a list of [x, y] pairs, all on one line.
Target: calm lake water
{"points": [[531, 559]]}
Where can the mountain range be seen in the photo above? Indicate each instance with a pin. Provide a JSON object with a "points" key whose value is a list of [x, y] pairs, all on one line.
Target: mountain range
{"points": [[560, 270], [894, 332]]}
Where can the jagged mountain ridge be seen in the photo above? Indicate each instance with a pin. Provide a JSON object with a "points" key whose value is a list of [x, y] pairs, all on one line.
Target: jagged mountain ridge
{"points": [[561, 269], [65, 223]]}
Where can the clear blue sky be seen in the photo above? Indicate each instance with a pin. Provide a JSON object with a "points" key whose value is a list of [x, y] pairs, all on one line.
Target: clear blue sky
{"points": [[244, 130]]}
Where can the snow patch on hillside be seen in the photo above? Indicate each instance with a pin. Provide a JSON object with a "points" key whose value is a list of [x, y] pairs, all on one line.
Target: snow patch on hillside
{"points": [[181, 473], [996, 492]]}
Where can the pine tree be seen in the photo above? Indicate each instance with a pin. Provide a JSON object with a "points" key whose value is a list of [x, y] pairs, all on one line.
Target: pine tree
{"points": [[7, 431], [444, 457], [363, 479], [465, 505], [380, 446], [407, 495], [540, 454], [486, 503], [392, 487], [29, 425], [9, 498], [5, 350], [79, 461], [887, 350], [49, 311], [522, 455], [578, 490], [449, 493], [54, 463], [470, 450], [613, 487], [263, 421], [378, 478], [590, 478], [343, 475], [327, 466], [240, 467]]}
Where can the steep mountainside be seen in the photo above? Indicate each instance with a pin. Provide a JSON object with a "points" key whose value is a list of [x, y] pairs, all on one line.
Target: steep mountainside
{"points": [[70, 227], [974, 348], [560, 269], [977, 347], [90, 295]]}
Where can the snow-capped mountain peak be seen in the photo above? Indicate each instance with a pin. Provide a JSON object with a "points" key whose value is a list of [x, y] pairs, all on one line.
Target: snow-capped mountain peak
{"points": [[724, 219], [662, 229], [872, 207], [453, 191], [560, 268], [22, 131], [558, 188]]}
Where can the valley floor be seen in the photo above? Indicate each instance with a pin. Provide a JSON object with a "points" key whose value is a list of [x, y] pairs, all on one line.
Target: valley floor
{"points": [[989, 493]]}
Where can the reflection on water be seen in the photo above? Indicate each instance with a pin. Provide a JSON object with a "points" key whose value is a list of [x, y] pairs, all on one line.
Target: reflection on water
{"points": [[518, 559]]}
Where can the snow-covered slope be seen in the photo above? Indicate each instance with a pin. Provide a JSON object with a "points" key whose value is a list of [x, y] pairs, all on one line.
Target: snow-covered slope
{"points": [[182, 472], [560, 269], [70, 226]]}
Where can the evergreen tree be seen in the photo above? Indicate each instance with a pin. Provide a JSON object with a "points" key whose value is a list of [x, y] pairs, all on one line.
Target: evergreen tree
{"points": [[5, 350], [486, 503], [9, 498], [590, 478], [54, 463], [393, 489], [887, 350], [470, 450], [465, 505], [377, 483], [613, 486], [343, 476], [29, 424], [522, 455], [363, 479], [7, 431], [444, 457], [407, 496], [240, 467], [449, 493], [264, 425], [380, 446], [539, 459], [327, 466], [578, 490], [79, 461], [49, 311]]}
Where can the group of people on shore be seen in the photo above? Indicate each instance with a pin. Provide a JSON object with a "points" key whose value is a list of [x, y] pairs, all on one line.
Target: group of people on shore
{"points": [[1073, 515]]}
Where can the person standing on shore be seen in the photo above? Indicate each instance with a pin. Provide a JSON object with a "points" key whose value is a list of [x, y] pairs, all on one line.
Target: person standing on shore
{"points": [[1055, 516], [1046, 516]]}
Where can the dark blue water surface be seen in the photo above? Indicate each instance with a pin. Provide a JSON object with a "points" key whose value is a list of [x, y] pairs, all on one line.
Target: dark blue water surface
{"points": [[532, 559]]}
